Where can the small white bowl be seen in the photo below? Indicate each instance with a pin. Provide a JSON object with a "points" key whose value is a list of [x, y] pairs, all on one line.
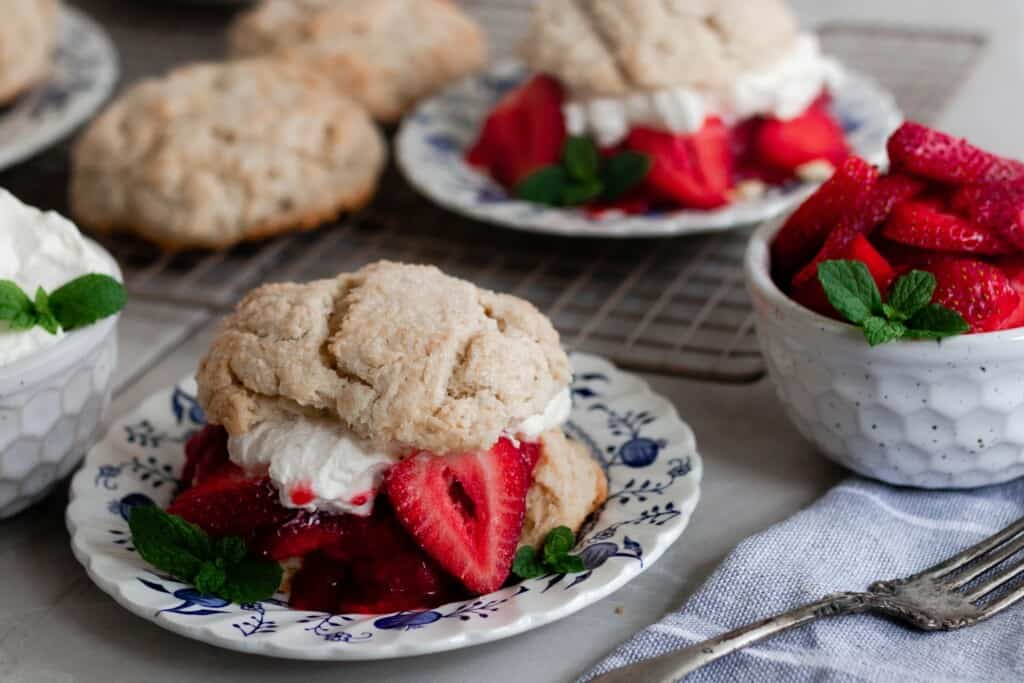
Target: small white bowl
{"points": [[51, 406], [913, 413]]}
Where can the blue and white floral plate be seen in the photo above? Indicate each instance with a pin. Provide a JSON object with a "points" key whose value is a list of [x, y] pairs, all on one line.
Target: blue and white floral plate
{"points": [[434, 138], [84, 73], [654, 475]]}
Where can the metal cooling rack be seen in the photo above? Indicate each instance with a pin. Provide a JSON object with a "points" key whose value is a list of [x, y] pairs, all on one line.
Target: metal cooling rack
{"points": [[675, 306]]}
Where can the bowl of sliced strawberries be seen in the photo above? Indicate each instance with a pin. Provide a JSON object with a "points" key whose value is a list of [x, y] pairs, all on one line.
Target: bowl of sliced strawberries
{"points": [[890, 309]]}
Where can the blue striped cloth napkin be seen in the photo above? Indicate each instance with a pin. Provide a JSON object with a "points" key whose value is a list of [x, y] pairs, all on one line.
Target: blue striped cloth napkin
{"points": [[859, 532]]}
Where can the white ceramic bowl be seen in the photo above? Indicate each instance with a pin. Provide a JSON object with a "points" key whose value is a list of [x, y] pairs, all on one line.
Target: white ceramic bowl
{"points": [[51, 405], [927, 414]]}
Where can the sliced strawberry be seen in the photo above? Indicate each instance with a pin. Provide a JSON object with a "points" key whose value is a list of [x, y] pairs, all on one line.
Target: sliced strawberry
{"points": [[873, 210], [811, 295], [812, 136], [229, 503], [996, 206], [979, 291], [205, 453], [805, 231], [524, 132], [693, 170], [921, 224], [928, 153], [1014, 269], [531, 453], [304, 533], [465, 510]]}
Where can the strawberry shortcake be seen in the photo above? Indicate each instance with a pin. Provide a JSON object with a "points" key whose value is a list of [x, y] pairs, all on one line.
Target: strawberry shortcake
{"points": [[391, 436], [683, 104]]}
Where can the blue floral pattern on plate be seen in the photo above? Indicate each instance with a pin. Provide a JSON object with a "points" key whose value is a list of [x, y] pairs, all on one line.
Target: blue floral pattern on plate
{"points": [[648, 453], [83, 76], [433, 139]]}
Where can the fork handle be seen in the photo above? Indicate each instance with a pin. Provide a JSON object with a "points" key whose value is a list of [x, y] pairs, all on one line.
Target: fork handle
{"points": [[673, 666]]}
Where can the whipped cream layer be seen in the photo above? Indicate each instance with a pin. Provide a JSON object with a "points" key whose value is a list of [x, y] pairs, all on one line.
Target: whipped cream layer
{"points": [[783, 90], [319, 464], [45, 250]]}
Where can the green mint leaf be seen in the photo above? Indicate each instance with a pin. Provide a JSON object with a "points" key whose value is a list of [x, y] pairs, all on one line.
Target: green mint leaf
{"points": [[568, 564], [44, 317], [86, 299], [231, 549], [162, 540], [210, 579], [559, 542], [15, 306], [878, 330], [850, 289], [251, 579], [526, 564], [581, 192], [544, 186], [581, 158], [935, 321], [623, 172], [911, 293]]}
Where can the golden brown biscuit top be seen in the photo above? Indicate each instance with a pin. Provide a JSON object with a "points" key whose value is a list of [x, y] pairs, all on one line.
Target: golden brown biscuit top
{"points": [[404, 355]]}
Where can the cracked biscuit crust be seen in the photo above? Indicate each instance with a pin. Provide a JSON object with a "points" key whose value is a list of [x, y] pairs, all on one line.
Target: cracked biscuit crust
{"points": [[215, 154], [387, 54], [406, 356], [609, 48], [28, 33]]}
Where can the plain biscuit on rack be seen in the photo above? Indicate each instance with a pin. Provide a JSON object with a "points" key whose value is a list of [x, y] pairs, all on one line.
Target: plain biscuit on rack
{"points": [[387, 54], [216, 154], [28, 34], [610, 48]]}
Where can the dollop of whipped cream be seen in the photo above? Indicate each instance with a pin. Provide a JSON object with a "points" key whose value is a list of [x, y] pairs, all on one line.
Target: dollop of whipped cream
{"points": [[784, 90], [319, 464], [40, 249]]}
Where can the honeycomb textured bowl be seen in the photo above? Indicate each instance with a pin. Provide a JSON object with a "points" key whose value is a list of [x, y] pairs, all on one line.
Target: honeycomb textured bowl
{"points": [[51, 406], [925, 414]]}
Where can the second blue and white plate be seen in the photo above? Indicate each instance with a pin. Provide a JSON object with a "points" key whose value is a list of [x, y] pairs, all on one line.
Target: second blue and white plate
{"points": [[432, 142]]}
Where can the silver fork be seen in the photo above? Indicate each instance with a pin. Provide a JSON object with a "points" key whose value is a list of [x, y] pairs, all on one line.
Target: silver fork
{"points": [[962, 591]]}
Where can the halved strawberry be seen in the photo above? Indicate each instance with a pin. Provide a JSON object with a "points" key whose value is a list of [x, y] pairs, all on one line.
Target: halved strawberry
{"points": [[921, 224], [805, 231], [693, 170], [979, 291], [230, 503], [873, 210], [524, 132], [205, 453], [811, 295], [1014, 269], [465, 510], [922, 151], [996, 206], [813, 135]]}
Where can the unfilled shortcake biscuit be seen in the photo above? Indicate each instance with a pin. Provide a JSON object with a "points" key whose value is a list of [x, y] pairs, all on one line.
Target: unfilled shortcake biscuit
{"points": [[387, 54], [609, 48], [216, 154], [28, 35]]}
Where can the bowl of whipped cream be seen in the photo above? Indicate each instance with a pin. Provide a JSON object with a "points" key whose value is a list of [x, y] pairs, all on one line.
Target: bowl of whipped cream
{"points": [[59, 297]]}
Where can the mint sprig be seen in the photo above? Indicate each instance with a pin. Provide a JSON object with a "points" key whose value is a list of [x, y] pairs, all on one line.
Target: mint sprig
{"points": [[185, 551], [79, 303], [582, 177], [554, 557], [909, 313]]}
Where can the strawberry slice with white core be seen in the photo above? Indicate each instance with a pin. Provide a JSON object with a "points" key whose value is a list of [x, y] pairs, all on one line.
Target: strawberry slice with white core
{"points": [[465, 510]]}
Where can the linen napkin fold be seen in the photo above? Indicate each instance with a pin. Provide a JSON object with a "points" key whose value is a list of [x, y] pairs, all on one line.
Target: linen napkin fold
{"points": [[859, 532]]}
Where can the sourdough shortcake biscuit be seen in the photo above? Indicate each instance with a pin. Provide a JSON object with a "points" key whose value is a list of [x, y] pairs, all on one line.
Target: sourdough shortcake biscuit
{"points": [[28, 34], [215, 154], [387, 54], [610, 48]]}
